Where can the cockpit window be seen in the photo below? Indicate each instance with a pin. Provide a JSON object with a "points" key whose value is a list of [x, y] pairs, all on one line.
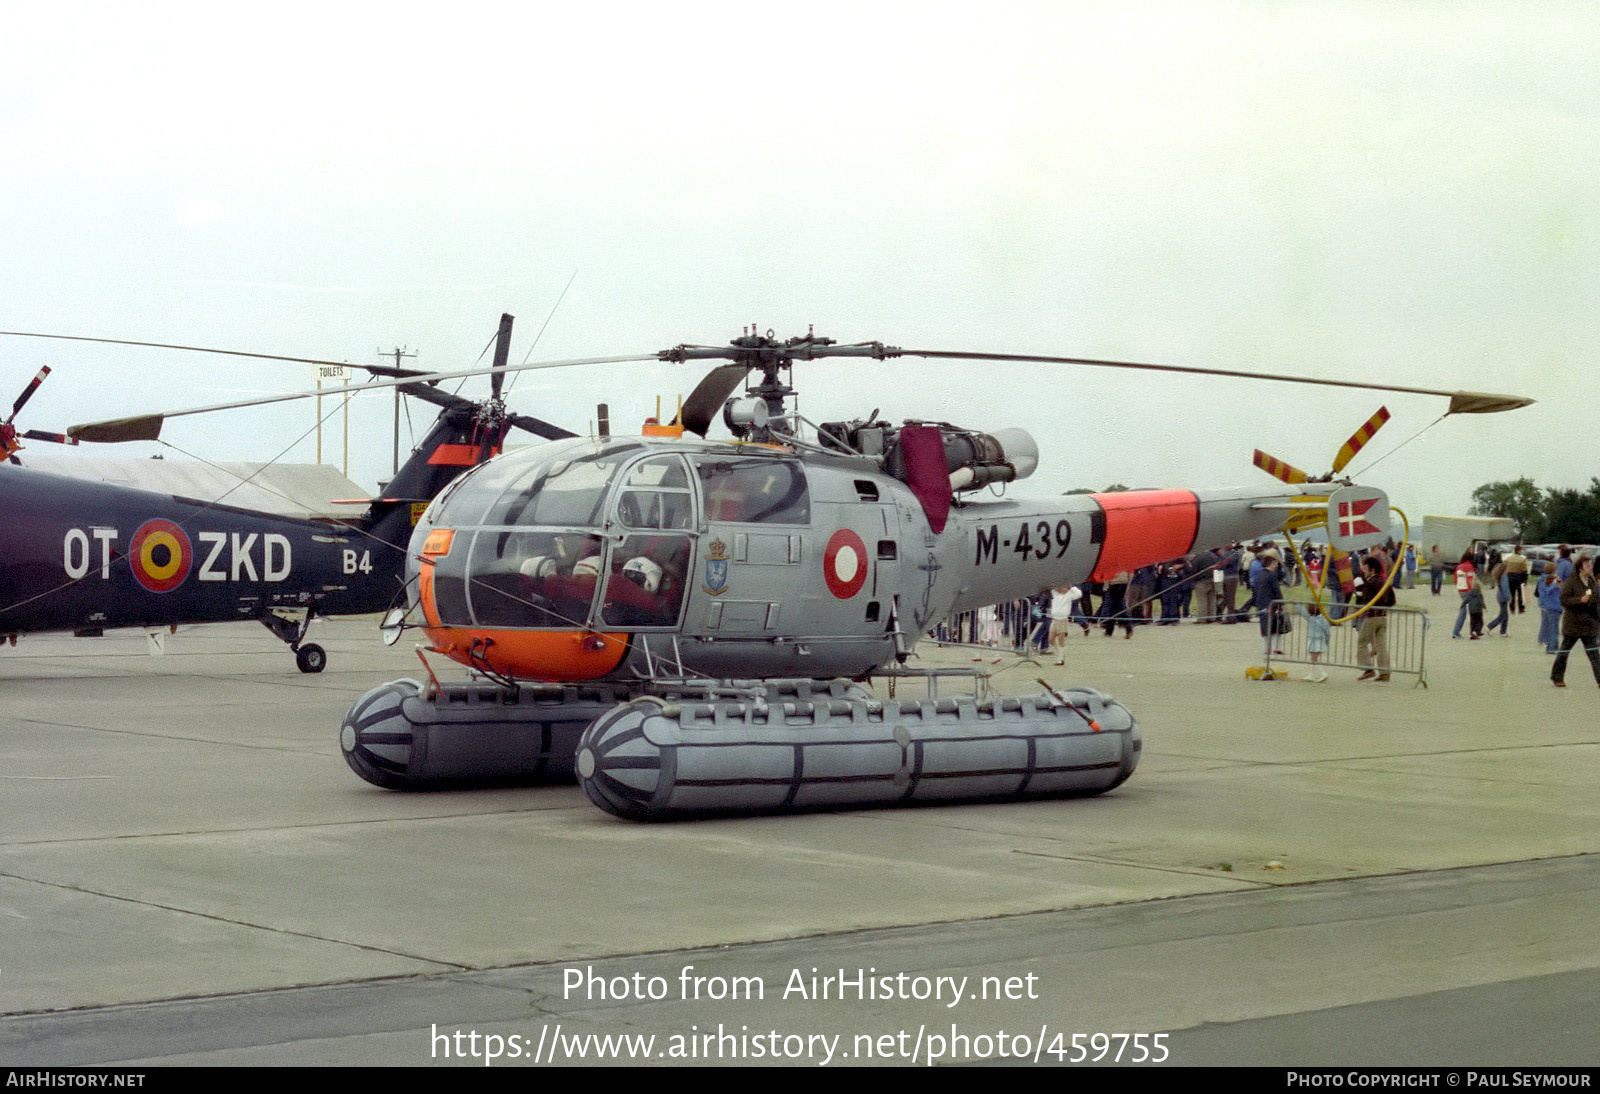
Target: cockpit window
{"points": [[655, 494], [567, 494], [532, 579], [764, 491], [665, 472], [462, 503]]}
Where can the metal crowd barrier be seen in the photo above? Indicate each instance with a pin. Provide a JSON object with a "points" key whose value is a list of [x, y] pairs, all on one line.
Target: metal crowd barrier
{"points": [[1406, 641]]}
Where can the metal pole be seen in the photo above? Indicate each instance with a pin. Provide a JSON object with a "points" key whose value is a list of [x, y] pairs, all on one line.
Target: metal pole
{"points": [[398, 352]]}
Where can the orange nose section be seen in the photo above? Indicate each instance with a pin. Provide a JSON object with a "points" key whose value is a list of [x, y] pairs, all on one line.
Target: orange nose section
{"points": [[550, 656]]}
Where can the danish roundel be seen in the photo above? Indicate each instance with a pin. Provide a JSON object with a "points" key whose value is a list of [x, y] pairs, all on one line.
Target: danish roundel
{"points": [[844, 564], [160, 555]]}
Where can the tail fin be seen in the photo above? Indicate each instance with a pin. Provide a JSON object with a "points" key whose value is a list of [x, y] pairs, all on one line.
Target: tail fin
{"points": [[454, 445]]}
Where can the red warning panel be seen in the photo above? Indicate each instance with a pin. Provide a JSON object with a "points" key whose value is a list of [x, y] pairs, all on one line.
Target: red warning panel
{"points": [[457, 455], [1144, 527]]}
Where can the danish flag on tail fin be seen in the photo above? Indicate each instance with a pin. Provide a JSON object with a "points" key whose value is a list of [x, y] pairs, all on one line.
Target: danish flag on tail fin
{"points": [[1358, 516]]}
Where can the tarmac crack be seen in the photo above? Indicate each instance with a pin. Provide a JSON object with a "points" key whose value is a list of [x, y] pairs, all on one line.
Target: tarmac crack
{"points": [[212, 916], [171, 737], [277, 827], [1186, 871], [1374, 757]]}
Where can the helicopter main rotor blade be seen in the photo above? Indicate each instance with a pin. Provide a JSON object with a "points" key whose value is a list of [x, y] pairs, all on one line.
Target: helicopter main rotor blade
{"points": [[1461, 402], [502, 352], [390, 370], [167, 345], [429, 394], [700, 408], [147, 427], [41, 435], [538, 427]]}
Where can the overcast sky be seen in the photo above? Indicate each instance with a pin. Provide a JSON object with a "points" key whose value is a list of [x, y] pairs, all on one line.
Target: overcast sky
{"points": [[1387, 191]]}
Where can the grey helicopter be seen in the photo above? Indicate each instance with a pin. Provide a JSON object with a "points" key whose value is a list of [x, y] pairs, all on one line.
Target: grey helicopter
{"points": [[689, 625]]}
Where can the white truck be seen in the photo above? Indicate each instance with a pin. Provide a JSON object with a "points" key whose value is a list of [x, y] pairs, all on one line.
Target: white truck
{"points": [[1457, 535]]}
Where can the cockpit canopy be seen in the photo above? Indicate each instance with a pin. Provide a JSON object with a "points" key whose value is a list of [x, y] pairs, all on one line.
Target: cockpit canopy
{"points": [[592, 534]]}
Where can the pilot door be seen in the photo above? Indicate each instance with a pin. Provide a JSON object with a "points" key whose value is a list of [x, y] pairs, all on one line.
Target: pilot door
{"points": [[647, 560]]}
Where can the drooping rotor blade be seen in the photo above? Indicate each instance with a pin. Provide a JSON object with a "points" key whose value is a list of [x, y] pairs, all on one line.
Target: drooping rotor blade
{"points": [[1358, 440], [144, 427], [1479, 402], [147, 427], [1461, 402], [40, 435], [167, 345], [27, 392], [1283, 472], [700, 408]]}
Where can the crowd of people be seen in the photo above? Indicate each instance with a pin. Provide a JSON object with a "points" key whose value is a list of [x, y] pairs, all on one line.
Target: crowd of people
{"points": [[1230, 585], [1221, 587], [1208, 587], [1563, 595]]}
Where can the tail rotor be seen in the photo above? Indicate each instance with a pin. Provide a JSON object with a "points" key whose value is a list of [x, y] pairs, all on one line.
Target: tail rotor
{"points": [[9, 443], [1354, 516]]}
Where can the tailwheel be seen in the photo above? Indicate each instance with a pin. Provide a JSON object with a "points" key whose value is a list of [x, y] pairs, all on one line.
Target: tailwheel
{"points": [[308, 656]]}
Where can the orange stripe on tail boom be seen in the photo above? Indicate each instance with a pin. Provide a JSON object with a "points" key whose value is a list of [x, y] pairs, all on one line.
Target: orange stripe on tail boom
{"points": [[1144, 527]]}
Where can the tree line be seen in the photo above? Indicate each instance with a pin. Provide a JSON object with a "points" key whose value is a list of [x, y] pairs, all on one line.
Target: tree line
{"points": [[1547, 515]]}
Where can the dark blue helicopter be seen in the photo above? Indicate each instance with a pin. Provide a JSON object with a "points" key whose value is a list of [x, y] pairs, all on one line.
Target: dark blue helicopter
{"points": [[81, 556]]}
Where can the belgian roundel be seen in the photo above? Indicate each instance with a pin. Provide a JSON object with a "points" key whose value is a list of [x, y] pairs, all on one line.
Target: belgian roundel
{"points": [[844, 564], [160, 555]]}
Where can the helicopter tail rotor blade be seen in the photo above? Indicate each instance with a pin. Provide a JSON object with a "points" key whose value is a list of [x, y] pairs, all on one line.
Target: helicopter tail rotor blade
{"points": [[1279, 470], [1358, 440], [701, 407], [27, 392]]}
